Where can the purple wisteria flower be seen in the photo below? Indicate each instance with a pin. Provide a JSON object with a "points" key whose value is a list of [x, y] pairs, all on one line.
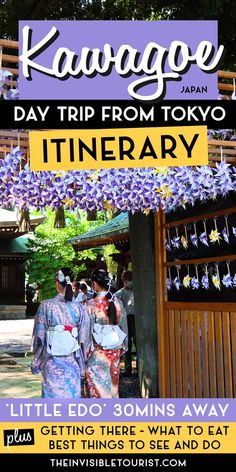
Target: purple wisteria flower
{"points": [[131, 190], [234, 230], [224, 134], [176, 283], [195, 283], [176, 242], [234, 280], [205, 281], [227, 280], [203, 238], [211, 134], [167, 245], [7, 92], [225, 235], [194, 240], [223, 173], [168, 283]]}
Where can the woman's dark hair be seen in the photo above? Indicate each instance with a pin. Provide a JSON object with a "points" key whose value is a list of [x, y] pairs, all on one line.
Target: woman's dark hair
{"points": [[65, 277], [83, 286], [103, 280]]}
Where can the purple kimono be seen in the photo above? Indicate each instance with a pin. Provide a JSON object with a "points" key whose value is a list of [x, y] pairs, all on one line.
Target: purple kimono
{"points": [[61, 375]]}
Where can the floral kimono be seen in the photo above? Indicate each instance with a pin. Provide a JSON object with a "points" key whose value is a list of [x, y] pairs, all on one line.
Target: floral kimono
{"points": [[61, 375], [103, 365]]}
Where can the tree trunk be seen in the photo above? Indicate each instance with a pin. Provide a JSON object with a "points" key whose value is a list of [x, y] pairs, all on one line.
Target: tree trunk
{"points": [[24, 221], [91, 215], [59, 221], [144, 277]]}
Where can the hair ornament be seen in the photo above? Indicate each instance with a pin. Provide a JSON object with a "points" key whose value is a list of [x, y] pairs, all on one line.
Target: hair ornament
{"points": [[60, 276], [68, 281]]}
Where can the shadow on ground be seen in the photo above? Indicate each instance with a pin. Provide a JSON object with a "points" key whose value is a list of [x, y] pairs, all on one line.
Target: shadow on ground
{"points": [[16, 380], [129, 387]]}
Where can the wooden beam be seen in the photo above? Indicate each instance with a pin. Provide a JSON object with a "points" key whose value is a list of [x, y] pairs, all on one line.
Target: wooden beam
{"points": [[10, 58], [228, 159], [205, 216], [9, 44], [13, 134], [226, 87], [227, 152], [221, 142], [14, 141], [224, 74], [202, 261], [200, 306], [100, 241]]}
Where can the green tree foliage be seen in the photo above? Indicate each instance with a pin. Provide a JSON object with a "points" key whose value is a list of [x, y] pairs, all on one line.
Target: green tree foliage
{"points": [[222, 10], [107, 252], [14, 10], [50, 250]]}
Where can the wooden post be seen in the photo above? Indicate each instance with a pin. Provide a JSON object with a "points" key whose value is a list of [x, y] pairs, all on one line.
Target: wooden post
{"points": [[144, 277], [160, 259]]}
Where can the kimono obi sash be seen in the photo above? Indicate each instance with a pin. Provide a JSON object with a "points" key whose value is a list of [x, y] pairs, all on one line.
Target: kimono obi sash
{"points": [[108, 336], [61, 340]]}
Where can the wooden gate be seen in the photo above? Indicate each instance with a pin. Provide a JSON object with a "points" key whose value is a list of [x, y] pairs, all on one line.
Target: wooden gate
{"points": [[196, 340]]}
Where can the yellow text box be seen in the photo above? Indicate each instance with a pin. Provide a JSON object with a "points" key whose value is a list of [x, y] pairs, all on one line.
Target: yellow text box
{"points": [[98, 438], [118, 148]]}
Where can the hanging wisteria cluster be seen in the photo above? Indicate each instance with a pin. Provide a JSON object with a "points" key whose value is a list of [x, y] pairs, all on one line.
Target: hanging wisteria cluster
{"points": [[122, 189], [224, 134], [195, 282], [6, 91]]}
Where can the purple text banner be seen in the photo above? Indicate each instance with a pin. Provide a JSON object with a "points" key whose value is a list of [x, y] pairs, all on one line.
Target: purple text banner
{"points": [[118, 410], [141, 60]]}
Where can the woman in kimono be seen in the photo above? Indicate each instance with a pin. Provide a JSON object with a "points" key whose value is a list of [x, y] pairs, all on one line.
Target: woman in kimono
{"points": [[61, 373], [103, 364]]}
